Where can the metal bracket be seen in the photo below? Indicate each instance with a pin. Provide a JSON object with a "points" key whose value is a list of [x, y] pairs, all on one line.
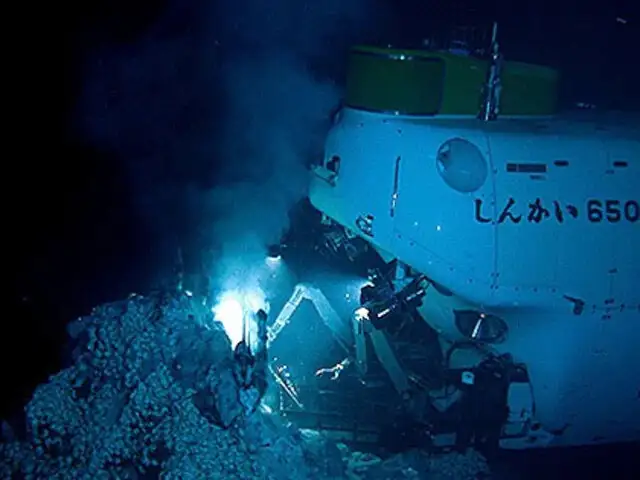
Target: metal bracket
{"points": [[396, 181], [365, 224]]}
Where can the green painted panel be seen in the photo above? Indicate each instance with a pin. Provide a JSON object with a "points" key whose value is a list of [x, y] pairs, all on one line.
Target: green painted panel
{"points": [[464, 80], [529, 90], [415, 82], [400, 83]]}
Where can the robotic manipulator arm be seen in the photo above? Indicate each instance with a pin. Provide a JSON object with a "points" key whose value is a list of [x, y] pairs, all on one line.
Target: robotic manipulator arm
{"points": [[336, 370]]}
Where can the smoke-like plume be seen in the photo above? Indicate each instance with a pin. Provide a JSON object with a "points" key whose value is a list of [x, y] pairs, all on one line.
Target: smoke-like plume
{"points": [[230, 91], [277, 115]]}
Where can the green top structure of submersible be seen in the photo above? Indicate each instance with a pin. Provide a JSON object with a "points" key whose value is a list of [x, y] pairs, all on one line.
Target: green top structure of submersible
{"points": [[424, 82]]}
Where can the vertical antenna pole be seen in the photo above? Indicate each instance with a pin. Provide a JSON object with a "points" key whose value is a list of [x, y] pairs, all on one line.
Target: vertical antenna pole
{"points": [[493, 86]]}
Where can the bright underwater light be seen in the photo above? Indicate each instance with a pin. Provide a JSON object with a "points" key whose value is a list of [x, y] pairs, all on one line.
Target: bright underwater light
{"points": [[235, 307]]}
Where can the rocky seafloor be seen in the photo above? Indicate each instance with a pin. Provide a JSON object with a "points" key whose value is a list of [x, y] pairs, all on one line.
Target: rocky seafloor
{"points": [[150, 392]]}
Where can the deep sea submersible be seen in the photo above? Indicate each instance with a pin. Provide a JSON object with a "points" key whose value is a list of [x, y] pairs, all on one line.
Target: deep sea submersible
{"points": [[505, 237]]}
